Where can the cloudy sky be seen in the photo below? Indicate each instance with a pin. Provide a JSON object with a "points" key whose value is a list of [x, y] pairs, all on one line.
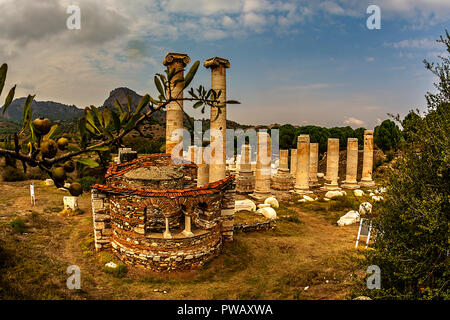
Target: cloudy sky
{"points": [[292, 61]]}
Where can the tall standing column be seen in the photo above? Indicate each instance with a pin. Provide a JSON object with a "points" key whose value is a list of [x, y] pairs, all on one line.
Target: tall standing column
{"points": [[174, 114], [332, 165], [202, 167], [302, 174], [293, 162], [263, 167], [218, 124], [366, 179], [352, 165], [245, 181], [313, 164]]}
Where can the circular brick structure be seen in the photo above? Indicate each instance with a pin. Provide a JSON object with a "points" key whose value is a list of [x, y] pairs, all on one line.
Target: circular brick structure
{"points": [[150, 214]]}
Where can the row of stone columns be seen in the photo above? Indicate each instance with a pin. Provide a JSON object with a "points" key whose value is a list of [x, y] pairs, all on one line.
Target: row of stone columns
{"points": [[304, 163]]}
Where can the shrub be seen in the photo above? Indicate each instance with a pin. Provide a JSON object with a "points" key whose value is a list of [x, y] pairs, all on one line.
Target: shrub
{"points": [[18, 225], [11, 174], [119, 272], [87, 182], [412, 224], [390, 156]]}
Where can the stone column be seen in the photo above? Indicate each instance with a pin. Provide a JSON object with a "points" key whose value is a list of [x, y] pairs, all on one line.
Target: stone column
{"points": [[167, 234], [263, 167], [202, 168], [352, 165], [313, 164], [332, 175], [245, 181], [293, 162], [302, 173], [191, 154], [174, 114], [366, 179], [218, 124], [187, 226], [283, 180]]}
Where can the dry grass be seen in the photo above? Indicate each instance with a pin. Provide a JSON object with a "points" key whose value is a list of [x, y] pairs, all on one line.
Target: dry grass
{"points": [[305, 250]]}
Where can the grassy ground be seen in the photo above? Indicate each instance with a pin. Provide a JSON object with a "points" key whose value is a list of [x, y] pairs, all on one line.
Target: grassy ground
{"points": [[307, 256]]}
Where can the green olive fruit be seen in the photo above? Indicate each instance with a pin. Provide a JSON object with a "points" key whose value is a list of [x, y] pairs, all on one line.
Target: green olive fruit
{"points": [[62, 143], [69, 166], [59, 174], [49, 148], [75, 189], [42, 125]]}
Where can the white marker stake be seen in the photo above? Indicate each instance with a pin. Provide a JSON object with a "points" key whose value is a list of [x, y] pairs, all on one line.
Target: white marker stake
{"points": [[33, 198]]}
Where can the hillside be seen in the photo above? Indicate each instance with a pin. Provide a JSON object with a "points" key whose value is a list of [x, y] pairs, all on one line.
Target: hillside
{"points": [[49, 109], [68, 115]]}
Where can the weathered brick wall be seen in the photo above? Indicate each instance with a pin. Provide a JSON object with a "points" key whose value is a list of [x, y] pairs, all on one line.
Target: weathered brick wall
{"points": [[256, 226], [228, 203], [160, 254], [102, 220]]}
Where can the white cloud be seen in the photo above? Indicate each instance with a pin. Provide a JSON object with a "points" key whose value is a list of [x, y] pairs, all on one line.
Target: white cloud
{"points": [[351, 121]]}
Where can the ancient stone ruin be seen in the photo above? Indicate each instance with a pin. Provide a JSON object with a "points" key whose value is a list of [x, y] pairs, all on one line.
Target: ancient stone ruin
{"points": [[152, 215], [162, 212], [174, 211]]}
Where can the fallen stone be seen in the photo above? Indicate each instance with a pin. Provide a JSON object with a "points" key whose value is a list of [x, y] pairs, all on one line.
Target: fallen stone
{"points": [[308, 198], [349, 218], [320, 175], [246, 204], [70, 203], [111, 265], [362, 298], [272, 201], [49, 182], [365, 208], [333, 194], [269, 213], [377, 198], [263, 205], [302, 200], [358, 193], [326, 199], [371, 194]]}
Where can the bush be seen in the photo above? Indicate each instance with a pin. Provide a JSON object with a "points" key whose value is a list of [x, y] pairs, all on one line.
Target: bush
{"points": [[87, 182], [390, 156], [11, 174], [119, 272], [412, 224], [18, 225]]}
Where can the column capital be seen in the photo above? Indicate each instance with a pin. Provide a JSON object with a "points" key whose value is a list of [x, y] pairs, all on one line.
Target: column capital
{"points": [[216, 62], [172, 57], [367, 132]]}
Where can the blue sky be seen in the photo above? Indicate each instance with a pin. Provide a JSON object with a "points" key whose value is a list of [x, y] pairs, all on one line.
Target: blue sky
{"points": [[292, 61]]}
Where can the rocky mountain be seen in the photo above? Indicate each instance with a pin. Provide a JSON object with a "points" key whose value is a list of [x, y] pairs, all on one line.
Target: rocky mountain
{"points": [[68, 114], [49, 109]]}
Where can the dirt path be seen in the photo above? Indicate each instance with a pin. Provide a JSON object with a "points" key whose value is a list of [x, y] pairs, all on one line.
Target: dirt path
{"points": [[309, 252]]}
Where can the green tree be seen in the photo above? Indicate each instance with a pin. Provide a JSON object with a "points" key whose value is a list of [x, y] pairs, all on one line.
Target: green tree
{"points": [[412, 224], [387, 135]]}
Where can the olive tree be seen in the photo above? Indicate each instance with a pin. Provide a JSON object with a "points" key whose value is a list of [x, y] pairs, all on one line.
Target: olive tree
{"points": [[98, 130]]}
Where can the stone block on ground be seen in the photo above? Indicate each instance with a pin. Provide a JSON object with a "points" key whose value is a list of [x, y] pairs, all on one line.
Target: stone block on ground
{"points": [[334, 194], [358, 193], [272, 201], [70, 203], [349, 218], [269, 213], [246, 204], [49, 182], [365, 208]]}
